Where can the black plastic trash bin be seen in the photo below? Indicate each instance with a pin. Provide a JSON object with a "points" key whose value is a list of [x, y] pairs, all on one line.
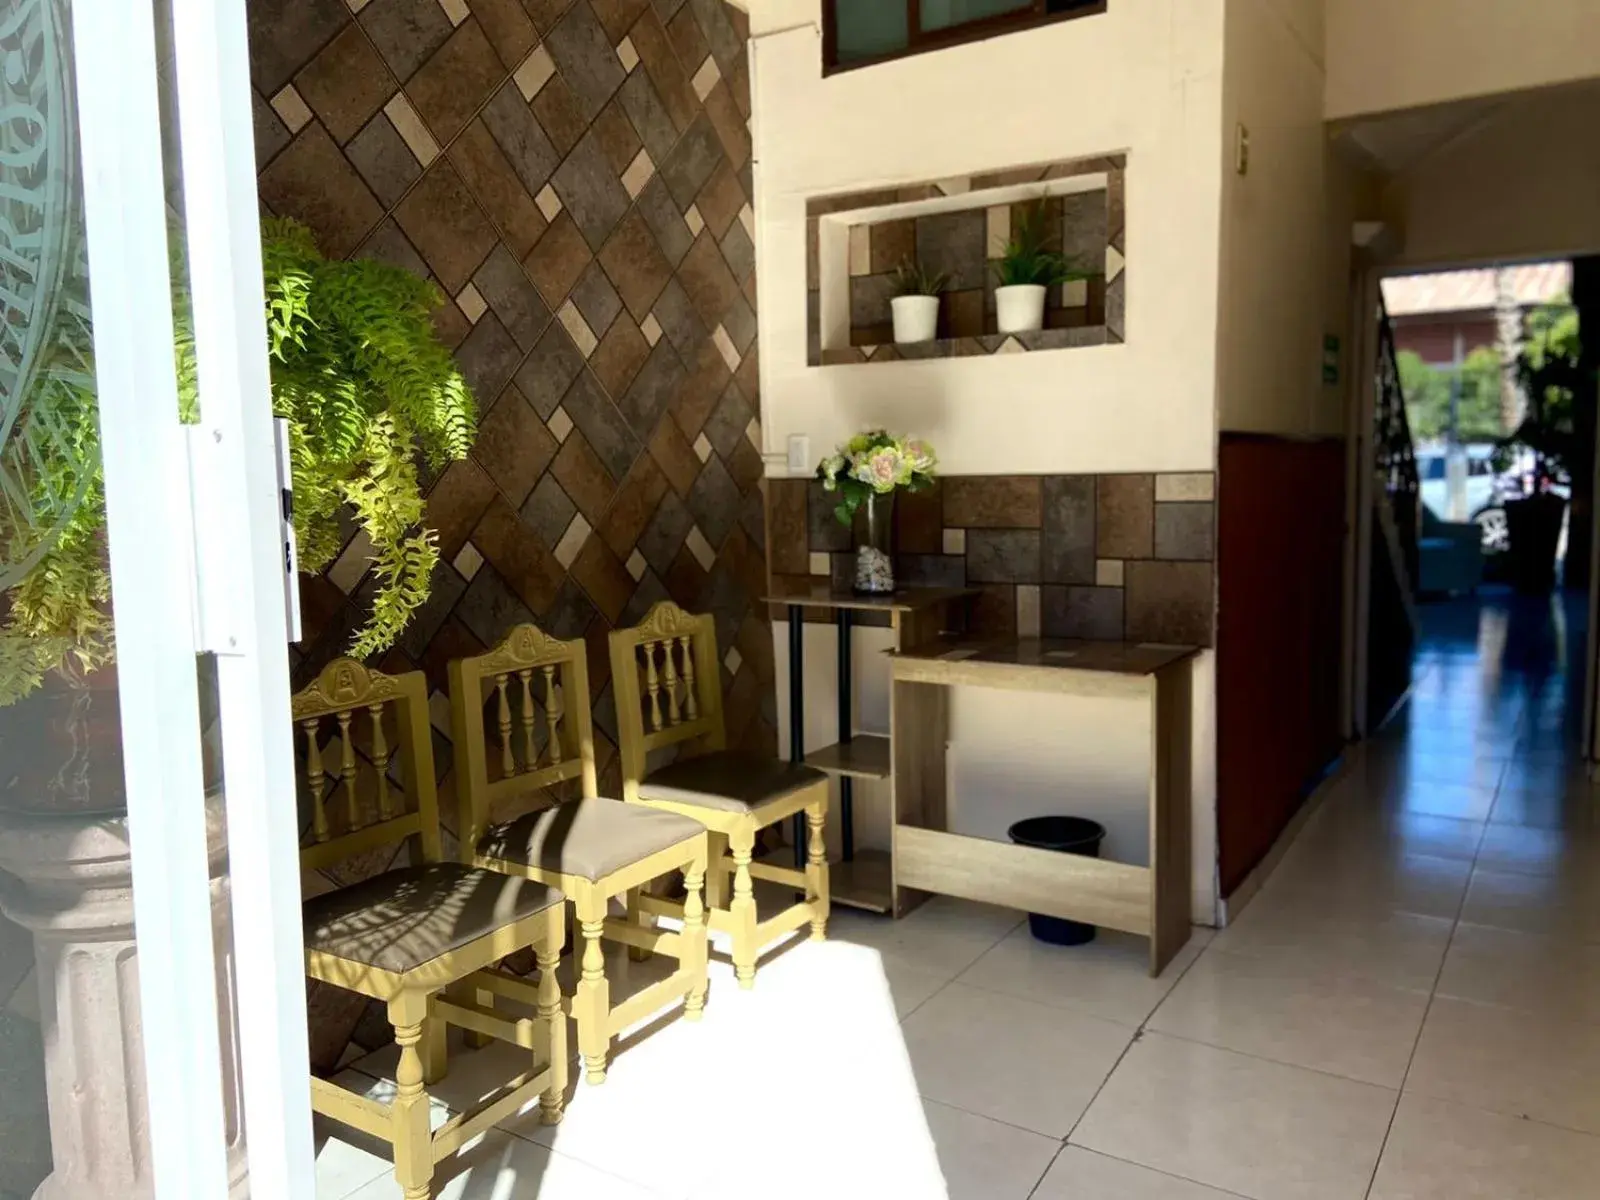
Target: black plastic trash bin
{"points": [[1068, 835]]}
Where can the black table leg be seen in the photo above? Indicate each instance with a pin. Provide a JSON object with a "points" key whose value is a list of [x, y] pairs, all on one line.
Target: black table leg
{"points": [[847, 789], [797, 715]]}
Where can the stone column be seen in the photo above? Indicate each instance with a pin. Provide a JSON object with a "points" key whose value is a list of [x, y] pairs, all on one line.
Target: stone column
{"points": [[69, 880]]}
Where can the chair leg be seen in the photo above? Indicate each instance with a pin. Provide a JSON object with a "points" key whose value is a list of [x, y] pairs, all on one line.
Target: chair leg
{"points": [[413, 1142], [548, 952], [591, 1005], [717, 871], [743, 909], [817, 869], [637, 917], [473, 1039], [435, 1061], [695, 956]]}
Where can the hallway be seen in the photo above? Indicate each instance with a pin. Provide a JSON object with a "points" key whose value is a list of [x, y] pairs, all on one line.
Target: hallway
{"points": [[1409, 1010]]}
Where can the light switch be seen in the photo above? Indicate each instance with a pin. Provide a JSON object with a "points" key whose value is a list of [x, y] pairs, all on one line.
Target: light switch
{"points": [[800, 453]]}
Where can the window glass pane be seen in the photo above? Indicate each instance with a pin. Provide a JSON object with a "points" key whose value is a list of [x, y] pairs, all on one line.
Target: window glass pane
{"points": [[942, 14], [867, 28]]}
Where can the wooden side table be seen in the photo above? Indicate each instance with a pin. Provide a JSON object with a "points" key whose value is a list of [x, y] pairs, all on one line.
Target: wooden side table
{"points": [[1151, 901], [917, 616]]}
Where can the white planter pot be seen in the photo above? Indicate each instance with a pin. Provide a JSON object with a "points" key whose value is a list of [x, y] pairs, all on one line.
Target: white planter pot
{"points": [[1019, 307], [916, 318]]}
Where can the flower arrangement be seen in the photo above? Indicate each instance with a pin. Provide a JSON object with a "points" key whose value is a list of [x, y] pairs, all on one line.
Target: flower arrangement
{"points": [[876, 463], [866, 472]]}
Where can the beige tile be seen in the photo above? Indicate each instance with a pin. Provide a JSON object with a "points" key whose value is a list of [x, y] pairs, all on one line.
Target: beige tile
{"points": [[1315, 1019], [819, 562], [1508, 1062], [1114, 264], [733, 660], [997, 229], [1546, 977], [549, 203], [572, 541], [352, 565], [1565, 905], [411, 129], [725, 347], [1108, 978], [747, 218], [638, 174], [578, 329], [1079, 1174], [702, 447], [1535, 851], [694, 220], [456, 10], [706, 77], [860, 250], [1108, 572], [560, 424], [468, 561], [1075, 293], [534, 72], [1351, 832], [291, 108], [983, 1159], [752, 431], [651, 328], [1371, 884], [636, 565], [1027, 1064], [955, 541], [627, 54], [472, 303], [1258, 1128], [1443, 1151], [700, 548], [1028, 615], [1191, 486], [1397, 949], [944, 935]]}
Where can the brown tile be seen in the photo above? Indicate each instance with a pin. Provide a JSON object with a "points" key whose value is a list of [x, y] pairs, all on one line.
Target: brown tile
{"points": [[346, 83], [720, 199], [745, 465], [456, 503], [919, 521], [522, 560], [1125, 516], [454, 83], [674, 455], [1082, 612], [728, 121], [603, 576], [687, 39], [559, 114], [962, 314], [813, 254], [685, 580], [666, 72], [546, 13], [618, 140], [633, 506], [450, 324], [490, 177], [405, 32], [787, 529], [755, 645], [598, 637], [446, 225], [994, 611], [992, 501], [583, 477], [285, 33], [508, 28], [316, 185], [635, 265], [619, 356], [739, 85], [384, 160], [701, 392], [558, 260], [748, 376], [1169, 602], [514, 446], [745, 561], [453, 640], [1184, 531], [893, 242], [706, 278], [616, 17]]}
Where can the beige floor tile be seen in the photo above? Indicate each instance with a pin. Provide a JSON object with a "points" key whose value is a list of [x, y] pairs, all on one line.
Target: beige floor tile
{"points": [[1396, 949], [502, 1166], [1570, 805], [1261, 1129], [1109, 977], [1535, 851], [1351, 834], [1314, 1019], [1547, 977], [1566, 905], [944, 935], [1509, 1062], [1080, 1174], [1367, 885], [1443, 1151], [1433, 797], [986, 1160], [1482, 768], [1023, 1063]]}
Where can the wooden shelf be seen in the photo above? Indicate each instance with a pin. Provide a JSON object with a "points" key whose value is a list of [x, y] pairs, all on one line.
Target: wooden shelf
{"points": [[865, 756], [864, 882]]}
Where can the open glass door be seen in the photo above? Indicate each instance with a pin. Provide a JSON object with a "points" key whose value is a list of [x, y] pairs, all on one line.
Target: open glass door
{"points": [[147, 797]]}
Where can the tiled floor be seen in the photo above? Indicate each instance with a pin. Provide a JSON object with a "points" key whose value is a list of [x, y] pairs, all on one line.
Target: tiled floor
{"points": [[1410, 1010]]}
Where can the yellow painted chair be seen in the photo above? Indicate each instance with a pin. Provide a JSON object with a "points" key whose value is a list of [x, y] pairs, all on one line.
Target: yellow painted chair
{"points": [[406, 935], [591, 848], [665, 675]]}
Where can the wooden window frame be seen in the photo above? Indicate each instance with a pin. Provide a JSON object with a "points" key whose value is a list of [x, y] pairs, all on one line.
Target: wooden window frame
{"points": [[919, 42]]}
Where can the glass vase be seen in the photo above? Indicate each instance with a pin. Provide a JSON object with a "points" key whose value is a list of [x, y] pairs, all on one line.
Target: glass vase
{"points": [[873, 537]]}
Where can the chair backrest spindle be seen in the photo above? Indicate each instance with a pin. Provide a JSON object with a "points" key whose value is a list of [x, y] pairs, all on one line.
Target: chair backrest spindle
{"points": [[693, 686]]}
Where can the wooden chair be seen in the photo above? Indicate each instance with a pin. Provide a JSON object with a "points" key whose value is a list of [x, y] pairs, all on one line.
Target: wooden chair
{"points": [[409, 933], [665, 672], [590, 848]]}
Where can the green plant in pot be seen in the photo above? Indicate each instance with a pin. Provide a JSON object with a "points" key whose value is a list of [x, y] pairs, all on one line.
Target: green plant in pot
{"points": [[1030, 264], [915, 306], [1543, 446], [367, 389]]}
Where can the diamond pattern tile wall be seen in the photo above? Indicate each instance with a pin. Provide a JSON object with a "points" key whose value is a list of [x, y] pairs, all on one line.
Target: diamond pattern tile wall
{"points": [[568, 172]]}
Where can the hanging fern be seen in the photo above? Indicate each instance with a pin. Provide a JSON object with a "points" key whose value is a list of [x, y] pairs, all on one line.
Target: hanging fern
{"points": [[365, 387]]}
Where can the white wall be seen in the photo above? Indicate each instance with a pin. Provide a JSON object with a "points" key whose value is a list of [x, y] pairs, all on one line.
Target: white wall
{"points": [[1145, 78], [1393, 54]]}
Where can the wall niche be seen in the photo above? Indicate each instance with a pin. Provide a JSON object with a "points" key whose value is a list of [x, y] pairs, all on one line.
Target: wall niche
{"points": [[959, 227]]}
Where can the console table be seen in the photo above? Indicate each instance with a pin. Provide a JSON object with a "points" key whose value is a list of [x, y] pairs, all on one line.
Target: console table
{"points": [[1152, 901]]}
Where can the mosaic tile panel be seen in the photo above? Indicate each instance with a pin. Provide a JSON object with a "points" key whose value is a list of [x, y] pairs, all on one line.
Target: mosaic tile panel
{"points": [[583, 207], [1109, 556]]}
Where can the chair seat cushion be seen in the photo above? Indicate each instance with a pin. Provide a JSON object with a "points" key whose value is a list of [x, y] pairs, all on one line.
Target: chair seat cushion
{"points": [[728, 780], [404, 918], [592, 837]]}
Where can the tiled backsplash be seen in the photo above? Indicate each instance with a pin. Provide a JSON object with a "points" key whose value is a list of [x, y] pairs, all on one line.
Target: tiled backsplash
{"points": [[575, 176], [1092, 556]]}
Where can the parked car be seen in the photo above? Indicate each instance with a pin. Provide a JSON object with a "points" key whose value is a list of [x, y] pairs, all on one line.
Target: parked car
{"points": [[1486, 490]]}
